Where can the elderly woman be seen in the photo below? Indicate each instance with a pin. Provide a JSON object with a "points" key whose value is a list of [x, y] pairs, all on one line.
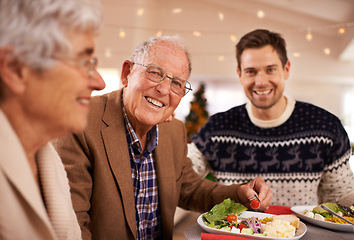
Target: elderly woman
{"points": [[47, 74]]}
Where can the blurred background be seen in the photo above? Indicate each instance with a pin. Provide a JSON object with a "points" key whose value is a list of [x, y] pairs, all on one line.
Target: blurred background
{"points": [[319, 36]]}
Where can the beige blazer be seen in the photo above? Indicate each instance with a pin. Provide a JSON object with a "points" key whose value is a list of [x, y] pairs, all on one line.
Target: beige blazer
{"points": [[23, 214], [98, 165]]}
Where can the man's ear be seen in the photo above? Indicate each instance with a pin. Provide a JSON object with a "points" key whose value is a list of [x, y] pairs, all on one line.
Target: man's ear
{"points": [[287, 70], [238, 71], [126, 70], [11, 70]]}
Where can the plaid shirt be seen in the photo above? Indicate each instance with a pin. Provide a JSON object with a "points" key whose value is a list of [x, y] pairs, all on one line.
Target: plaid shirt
{"points": [[144, 182]]}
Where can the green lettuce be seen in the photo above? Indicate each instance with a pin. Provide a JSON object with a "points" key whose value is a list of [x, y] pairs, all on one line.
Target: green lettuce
{"points": [[218, 214], [333, 206]]}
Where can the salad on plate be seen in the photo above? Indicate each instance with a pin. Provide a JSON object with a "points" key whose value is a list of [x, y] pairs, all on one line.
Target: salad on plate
{"points": [[321, 214], [233, 217], [317, 216]]}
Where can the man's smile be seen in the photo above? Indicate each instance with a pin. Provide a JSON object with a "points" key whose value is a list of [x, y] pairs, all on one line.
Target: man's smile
{"points": [[264, 92], [155, 102]]}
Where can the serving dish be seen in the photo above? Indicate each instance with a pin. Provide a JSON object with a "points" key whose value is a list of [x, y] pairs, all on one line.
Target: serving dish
{"points": [[329, 225], [247, 214]]}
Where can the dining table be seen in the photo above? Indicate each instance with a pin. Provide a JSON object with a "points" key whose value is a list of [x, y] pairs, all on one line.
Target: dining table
{"points": [[194, 232]]}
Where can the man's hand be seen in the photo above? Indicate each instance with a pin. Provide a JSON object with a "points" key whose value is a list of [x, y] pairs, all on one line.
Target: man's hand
{"points": [[256, 187]]}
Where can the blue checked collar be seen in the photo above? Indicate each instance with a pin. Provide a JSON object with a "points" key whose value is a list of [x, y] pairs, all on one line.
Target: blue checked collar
{"points": [[152, 134]]}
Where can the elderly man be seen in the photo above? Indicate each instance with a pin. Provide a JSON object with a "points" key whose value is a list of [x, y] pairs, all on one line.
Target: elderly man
{"points": [[128, 170]]}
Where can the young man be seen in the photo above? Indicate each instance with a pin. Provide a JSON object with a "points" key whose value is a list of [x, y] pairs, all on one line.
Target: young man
{"points": [[301, 150], [128, 170]]}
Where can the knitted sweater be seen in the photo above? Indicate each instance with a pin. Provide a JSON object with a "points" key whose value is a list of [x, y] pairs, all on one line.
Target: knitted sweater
{"points": [[303, 155]]}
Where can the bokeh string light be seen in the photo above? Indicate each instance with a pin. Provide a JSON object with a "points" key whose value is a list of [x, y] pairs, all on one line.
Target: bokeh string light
{"points": [[309, 35], [309, 31]]}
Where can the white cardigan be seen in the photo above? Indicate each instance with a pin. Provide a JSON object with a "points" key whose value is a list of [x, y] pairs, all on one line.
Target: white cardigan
{"points": [[23, 214]]}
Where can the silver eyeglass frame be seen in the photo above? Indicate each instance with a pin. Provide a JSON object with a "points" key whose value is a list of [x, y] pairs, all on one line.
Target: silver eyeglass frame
{"points": [[187, 84]]}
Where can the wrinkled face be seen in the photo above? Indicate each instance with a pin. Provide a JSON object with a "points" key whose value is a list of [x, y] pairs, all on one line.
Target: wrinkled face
{"points": [[59, 97], [262, 76], [148, 103]]}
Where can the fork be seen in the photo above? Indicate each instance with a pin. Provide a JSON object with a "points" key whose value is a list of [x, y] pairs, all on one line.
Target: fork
{"points": [[335, 214]]}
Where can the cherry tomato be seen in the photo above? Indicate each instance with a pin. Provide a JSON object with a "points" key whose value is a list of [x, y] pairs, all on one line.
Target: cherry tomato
{"points": [[255, 203], [241, 226], [231, 218]]}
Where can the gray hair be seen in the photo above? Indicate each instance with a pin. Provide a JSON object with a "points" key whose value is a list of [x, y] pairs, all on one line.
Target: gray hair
{"points": [[143, 48], [37, 29]]}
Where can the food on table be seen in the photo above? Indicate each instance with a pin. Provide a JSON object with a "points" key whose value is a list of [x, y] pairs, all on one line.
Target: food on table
{"points": [[292, 219], [321, 214], [231, 218], [254, 202], [279, 228], [226, 216], [349, 210], [218, 214], [319, 217]]}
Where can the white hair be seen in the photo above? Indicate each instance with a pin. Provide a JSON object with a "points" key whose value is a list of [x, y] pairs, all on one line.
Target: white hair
{"points": [[37, 29], [143, 48]]}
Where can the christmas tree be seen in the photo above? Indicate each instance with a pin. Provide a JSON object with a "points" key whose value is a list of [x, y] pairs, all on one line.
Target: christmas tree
{"points": [[197, 117], [198, 114]]}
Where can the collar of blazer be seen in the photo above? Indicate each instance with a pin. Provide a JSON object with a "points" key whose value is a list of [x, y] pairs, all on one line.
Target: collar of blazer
{"points": [[112, 134], [113, 137]]}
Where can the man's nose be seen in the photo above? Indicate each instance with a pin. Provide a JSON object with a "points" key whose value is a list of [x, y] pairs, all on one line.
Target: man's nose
{"points": [[164, 86], [261, 78]]}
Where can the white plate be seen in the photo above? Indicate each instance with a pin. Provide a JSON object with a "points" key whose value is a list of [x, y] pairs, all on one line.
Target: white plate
{"points": [[247, 214], [333, 226]]}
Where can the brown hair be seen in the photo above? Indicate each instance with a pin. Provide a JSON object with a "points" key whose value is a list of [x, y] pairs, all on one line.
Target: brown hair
{"points": [[260, 38]]}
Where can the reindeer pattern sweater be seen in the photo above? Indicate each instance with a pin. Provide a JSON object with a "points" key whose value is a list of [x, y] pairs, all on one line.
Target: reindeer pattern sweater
{"points": [[303, 155]]}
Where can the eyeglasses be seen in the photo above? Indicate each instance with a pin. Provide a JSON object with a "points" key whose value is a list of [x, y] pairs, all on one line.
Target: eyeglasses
{"points": [[88, 64], [157, 74]]}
